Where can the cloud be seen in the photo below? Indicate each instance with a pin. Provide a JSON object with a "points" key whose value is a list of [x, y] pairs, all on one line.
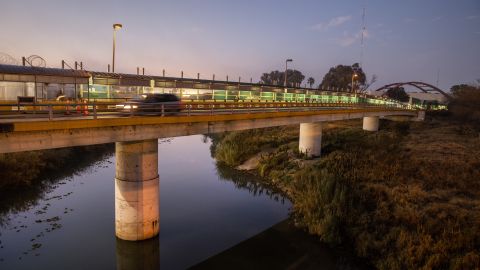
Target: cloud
{"points": [[472, 17], [337, 21], [408, 20], [438, 18]]}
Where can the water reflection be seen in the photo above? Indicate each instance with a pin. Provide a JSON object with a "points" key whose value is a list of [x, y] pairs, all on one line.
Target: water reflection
{"points": [[72, 161], [256, 185], [133, 255], [202, 213]]}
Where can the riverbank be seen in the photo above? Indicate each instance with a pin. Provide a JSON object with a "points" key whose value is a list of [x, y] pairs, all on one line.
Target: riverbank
{"points": [[405, 197]]}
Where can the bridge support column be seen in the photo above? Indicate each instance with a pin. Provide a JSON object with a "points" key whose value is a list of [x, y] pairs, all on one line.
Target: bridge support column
{"points": [[136, 190], [310, 142], [370, 123], [420, 116]]}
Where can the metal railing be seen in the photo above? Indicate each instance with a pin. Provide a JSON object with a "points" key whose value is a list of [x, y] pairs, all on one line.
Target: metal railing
{"points": [[94, 110]]}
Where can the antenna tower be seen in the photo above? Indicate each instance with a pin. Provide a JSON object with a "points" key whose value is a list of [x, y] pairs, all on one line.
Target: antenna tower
{"points": [[363, 35]]}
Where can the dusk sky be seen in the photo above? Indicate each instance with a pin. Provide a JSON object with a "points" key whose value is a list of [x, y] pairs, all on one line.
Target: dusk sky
{"points": [[405, 40]]}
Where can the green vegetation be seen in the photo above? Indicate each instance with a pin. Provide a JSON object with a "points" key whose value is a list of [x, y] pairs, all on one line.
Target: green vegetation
{"points": [[465, 106], [340, 77], [405, 197], [311, 81], [397, 93], [294, 78], [233, 149]]}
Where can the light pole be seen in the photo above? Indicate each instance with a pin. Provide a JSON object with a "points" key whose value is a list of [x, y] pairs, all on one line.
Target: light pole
{"points": [[116, 27], [354, 75], [286, 62]]}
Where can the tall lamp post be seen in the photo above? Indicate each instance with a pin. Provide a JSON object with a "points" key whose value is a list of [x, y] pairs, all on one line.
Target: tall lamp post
{"points": [[116, 27], [354, 75], [286, 63]]}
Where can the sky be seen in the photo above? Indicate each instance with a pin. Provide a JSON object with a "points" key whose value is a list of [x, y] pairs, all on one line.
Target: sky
{"points": [[409, 40]]}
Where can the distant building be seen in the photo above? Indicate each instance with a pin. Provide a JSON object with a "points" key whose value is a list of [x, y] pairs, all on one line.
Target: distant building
{"points": [[428, 97]]}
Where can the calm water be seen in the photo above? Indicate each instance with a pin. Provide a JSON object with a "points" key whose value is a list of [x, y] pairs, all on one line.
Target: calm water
{"points": [[202, 212]]}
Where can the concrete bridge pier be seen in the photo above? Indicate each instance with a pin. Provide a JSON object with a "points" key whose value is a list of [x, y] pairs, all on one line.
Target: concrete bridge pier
{"points": [[420, 116], [370, 123], [310, 142], [136, 190]]}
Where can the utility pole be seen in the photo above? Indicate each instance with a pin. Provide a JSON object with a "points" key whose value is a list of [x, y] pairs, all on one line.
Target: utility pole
{"points": [[286, 69]]}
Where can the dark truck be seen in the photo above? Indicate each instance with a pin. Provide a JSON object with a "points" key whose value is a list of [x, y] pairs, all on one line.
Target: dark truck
{"points": [[157, 104]]}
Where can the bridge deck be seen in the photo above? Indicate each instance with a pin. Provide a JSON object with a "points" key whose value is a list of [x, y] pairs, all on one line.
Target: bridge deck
{"points": [[40, 134], [75, 123]]}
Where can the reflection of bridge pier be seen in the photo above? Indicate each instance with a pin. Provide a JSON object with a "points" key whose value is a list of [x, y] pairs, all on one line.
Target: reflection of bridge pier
{"points": [[136, 190], [138, 255]]}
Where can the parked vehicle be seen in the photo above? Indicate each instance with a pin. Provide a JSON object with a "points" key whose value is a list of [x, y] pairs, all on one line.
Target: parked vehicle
{"points": [[158, 104]]}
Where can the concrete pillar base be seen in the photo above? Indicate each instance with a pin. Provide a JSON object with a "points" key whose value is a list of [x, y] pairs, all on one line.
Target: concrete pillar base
{"points": [[370, 123], [137, 190], [310, 142]]}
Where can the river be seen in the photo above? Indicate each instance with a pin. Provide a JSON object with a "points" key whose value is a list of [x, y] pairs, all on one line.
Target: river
{"points": [[202, 212]]}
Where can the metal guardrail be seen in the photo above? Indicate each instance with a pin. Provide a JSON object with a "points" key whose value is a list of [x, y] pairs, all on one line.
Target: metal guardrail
{"points": [[95, 110]]}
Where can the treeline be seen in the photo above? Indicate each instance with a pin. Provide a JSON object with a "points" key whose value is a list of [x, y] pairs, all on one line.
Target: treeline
{"points": [[24, 169], [465, 104], [340, 78]]}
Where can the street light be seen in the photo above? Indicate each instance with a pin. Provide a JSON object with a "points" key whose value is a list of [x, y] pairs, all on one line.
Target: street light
{"points": [[286, 62], [116, 27], [354, 75]]}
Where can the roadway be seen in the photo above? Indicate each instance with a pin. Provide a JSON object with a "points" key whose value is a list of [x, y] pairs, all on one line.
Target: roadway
{"points": [[61, 112], [29, 134]]}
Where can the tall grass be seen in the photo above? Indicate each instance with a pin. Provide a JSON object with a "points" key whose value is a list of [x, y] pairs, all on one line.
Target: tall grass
{"points": [[406, 197]]}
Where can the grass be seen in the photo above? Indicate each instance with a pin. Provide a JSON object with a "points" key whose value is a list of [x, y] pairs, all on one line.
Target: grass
{"points": [[406, 197]]}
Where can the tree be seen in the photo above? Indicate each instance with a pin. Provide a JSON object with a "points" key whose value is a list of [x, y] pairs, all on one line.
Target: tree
{"points": [[340, 77], [368, 84], [273, 78], [311, 81], [398, 93], [465, 104], [294, 78], [459, 89]]}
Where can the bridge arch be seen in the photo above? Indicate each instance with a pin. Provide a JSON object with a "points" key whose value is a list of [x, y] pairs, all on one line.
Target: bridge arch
{"points": [[424, 87]]}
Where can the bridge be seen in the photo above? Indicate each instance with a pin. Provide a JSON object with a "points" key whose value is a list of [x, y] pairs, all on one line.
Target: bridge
{"points": [[423, 87], [46, 125]]}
